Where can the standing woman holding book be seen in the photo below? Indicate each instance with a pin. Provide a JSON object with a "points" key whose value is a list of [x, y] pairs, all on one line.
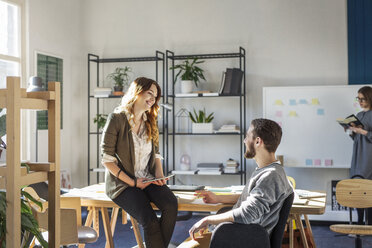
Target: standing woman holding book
{"points": [[361, 163], [129, 145]]}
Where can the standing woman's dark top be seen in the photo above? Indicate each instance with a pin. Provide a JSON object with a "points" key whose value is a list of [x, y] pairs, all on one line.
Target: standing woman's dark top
{"points": [[361, 163]]}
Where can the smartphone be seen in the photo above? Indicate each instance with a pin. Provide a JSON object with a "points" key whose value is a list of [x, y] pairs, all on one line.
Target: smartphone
{"points": [[156, 179]]}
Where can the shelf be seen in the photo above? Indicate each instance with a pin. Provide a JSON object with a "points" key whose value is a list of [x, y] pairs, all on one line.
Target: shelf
{"points": [[207, 56], [134, 59], [111, 96], [201, 96], [99, 133], [170, 133]]}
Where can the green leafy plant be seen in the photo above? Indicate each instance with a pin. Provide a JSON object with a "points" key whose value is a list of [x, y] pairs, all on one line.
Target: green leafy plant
{"points": [[120, 76], [100, 119], [190, 71], [29, 224], [201, 117]]}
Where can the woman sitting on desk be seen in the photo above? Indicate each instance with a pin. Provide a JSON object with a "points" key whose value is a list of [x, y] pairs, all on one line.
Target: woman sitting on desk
{"points": [[130, 154]]}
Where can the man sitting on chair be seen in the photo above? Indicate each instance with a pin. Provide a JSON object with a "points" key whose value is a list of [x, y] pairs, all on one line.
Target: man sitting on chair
{"points": [[265, 192]]}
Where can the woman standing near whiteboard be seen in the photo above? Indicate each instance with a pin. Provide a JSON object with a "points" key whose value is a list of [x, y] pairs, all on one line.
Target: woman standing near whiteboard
{"points": [[361, 162]]}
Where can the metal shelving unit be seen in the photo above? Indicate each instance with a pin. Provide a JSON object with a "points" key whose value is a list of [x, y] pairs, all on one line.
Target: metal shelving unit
{"points": [[170, 79], [159, 60]]}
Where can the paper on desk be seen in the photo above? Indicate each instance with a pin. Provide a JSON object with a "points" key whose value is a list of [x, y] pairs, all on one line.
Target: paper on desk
{"points": [[304, 194], [88, 194]]}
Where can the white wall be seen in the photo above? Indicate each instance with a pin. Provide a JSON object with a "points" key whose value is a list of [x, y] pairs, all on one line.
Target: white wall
{"points": [[55, 29], [287, 42]]}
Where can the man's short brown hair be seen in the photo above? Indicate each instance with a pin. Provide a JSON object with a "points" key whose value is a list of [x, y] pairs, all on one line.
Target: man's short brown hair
{"points": [[269, 131]]}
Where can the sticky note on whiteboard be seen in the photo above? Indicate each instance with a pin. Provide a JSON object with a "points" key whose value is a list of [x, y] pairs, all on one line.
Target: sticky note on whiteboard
{"points": [[293, 113], [315, 101], [278, 102], [278, 113], [303, 101], [292, 102], [317, 162], [309, 161], [328, 162], [320, 111]]}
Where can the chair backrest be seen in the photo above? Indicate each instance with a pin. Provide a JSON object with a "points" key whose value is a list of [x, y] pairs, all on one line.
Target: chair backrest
{"points": [[354, 193], [278, 231]]}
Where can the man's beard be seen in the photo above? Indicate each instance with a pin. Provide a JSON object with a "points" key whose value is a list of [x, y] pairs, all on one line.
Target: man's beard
{"points": [[251, 151]]}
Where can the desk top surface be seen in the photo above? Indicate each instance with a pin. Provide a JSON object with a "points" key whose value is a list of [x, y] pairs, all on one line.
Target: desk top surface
{"points": [[94, 196]]}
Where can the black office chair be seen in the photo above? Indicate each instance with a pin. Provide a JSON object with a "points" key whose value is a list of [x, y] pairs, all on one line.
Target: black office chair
{"points": [[257, 236]]}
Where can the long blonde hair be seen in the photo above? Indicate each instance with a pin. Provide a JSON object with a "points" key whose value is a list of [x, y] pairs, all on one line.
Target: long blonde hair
{"points": [[138, 86]]}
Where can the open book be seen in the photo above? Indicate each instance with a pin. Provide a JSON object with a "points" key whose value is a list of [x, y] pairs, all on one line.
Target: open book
{"points": [[346, 123]]}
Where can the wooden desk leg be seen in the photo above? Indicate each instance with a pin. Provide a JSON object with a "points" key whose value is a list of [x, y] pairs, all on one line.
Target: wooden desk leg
{"points": [[290, 229], [96, 220], [309, 229], [107, 227], [89, 220], [302, 230], [114, 218], [123, 217], [137, 232]]}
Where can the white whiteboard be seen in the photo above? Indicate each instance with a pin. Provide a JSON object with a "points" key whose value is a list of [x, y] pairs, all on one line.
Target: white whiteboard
{"points": [[307, 115]]}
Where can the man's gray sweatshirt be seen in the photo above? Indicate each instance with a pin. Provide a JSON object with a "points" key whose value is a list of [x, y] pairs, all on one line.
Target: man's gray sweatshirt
{"points": [[263, 197]]}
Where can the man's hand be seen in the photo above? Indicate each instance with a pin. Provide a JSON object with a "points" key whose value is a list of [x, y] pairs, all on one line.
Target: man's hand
{"points": [[208, 196], [200, 226]]}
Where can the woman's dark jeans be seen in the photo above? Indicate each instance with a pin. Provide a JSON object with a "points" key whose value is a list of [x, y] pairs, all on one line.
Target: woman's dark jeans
{"points": [[136, 202]]}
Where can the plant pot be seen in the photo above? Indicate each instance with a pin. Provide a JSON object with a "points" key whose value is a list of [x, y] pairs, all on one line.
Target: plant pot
{"points": [[202, 127], [186, 86], [118, 90]]}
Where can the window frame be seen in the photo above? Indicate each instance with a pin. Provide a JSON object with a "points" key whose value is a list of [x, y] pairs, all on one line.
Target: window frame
{"points": [[22, 42]]}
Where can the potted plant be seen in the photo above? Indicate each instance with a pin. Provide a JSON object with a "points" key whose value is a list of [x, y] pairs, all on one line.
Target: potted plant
{"points": [[190, 73], [201, 122], [121, 79], [100, 119], [29, 224]]}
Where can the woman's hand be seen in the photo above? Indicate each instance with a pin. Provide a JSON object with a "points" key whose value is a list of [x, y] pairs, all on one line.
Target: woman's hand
{"points": [[159, 182], [208, 196], [141, 184], [359, 130]]}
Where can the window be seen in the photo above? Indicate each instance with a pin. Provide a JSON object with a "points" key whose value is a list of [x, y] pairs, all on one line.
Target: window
{"points": [[11, 40], [49, 68]]}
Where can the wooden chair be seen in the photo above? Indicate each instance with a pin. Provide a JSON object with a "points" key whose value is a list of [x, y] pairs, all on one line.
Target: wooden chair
{"points": [[72, 231], [354, 193]]}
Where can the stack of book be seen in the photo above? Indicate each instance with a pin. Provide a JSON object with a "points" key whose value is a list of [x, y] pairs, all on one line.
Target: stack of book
{"points": [[210, 168], [228, 129], [102, 92], [231, 166]]}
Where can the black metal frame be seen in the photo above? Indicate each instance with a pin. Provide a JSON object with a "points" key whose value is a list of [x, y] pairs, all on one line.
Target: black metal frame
{"points": [[159, 57], [170, 56]]}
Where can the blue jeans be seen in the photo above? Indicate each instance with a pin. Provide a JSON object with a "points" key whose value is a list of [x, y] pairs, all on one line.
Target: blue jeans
{"points": [[136, 202]]}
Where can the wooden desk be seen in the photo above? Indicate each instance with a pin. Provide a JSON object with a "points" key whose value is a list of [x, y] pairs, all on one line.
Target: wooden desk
{"points": [[96, 200], [314, 206]]}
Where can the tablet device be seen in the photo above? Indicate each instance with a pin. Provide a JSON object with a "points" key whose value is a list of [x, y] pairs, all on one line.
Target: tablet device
{"points": [[156, 179]]}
